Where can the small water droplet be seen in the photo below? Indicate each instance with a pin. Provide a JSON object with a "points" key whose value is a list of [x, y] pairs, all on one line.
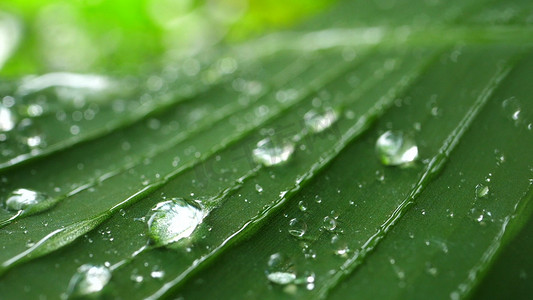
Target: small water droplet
{"points": [[302, 206], [512, 109], [330, 224], [27, 200], [258, 188], [482, 191], [158, 274], [318, 121], [89, 280], [269, 154], [297, 227], [395, 148], [173, 220], [7, 119]]}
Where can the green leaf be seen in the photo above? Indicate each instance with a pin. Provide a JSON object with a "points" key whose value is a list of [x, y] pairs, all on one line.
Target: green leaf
{"points": [[263, 167]]}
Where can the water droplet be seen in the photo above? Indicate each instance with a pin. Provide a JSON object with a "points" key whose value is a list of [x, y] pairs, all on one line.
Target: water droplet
{"points": [[157, 274], [512, 109], [302, 206], [258, 188], [482, 190], [7, 119], [330, 224], [395, 148], [269, 154], [297, 228], [282, 278], [28, 201], [320, 121], [89, 280], [173, 220]]}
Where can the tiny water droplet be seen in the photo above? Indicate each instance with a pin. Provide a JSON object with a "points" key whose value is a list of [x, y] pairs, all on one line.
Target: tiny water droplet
{"points": [[396, 148], [297, 227], [269, 154], [27, 200], [258, 188], [482, 191], [173, 220], [318, 121], [89, 280]]}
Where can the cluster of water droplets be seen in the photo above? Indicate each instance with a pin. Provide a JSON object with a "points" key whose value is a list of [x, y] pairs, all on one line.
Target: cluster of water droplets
{"points": [[173, 220]]}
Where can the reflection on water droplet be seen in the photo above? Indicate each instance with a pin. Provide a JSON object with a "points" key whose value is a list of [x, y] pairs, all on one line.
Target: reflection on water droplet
{"points": [[269, 154], [282, 278], [395, 148], [297, 228], [482, 190], [89, 280], [27, 201], [320, 121], [7, 119], [258, 188], [173, 220]]}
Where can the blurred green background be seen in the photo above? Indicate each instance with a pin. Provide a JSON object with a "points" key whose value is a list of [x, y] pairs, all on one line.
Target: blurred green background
{"points": [[128, 36]]}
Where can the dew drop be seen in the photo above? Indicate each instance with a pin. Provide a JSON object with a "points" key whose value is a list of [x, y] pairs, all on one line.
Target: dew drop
{"points": [[269, 154], [258, 188], [7, 119], [319, 121], [395, 148], [28, 201], [482, 191], [173, 220], [89, 280], [297, 228]]}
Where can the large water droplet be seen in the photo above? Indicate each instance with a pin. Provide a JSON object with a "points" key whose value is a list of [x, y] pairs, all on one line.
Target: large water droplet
{"points": [[7, 119], [319, 121], [27, 201], [173, 220], [269, 153], [89, 280], [396, 148]]}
